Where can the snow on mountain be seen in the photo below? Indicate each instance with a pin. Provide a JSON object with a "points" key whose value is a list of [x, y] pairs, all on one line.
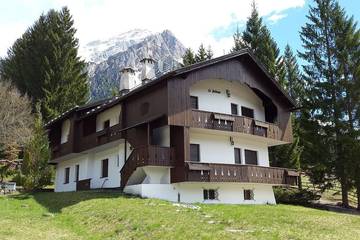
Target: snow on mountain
{"points": [[107, 57], [99, 50]]}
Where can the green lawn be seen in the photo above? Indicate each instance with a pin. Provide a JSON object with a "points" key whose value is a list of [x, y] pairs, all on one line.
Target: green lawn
{"points": [[111, 215]]}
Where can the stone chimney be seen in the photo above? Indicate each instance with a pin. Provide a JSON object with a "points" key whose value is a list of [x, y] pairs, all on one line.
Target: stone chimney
{"points": [[147, 69], [127, 80]]}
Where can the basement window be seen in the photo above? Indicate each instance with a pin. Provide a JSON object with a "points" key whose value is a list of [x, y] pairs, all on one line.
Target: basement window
{"points": [[248, 194], [210, 194]]}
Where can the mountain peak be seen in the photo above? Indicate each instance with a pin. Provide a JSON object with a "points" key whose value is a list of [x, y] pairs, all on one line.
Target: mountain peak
{"points": [[106, 57]]}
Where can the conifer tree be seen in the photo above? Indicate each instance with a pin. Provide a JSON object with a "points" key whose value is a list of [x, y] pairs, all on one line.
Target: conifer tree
{"points": [[201, 54], [237, 40], [189, 57], [257, 37], [209, 53], [43, 63], [35, 169], [325, 72]]}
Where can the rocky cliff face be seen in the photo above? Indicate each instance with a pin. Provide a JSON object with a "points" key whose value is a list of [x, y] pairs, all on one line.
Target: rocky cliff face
{"points": [[107, 57]]}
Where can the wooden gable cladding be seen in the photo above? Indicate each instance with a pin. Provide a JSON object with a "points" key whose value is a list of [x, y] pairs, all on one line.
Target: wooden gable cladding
{"points": [[151, 103], [243, 70]]}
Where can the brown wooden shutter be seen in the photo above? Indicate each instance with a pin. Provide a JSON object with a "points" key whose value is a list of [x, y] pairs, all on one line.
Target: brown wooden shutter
{"points": [[247, 112], [237, 154], [195, 152], [77, 170], [194, 102], [251, 157], [234, 109], [105, 168], [67, 175]]}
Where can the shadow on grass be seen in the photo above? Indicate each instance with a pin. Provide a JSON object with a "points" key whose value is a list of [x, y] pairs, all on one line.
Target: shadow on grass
{"points": [[55, 202]]}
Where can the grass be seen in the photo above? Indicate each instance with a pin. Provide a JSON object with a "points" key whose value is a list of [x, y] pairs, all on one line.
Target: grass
{"points": [[111, 215], [331, 195]]}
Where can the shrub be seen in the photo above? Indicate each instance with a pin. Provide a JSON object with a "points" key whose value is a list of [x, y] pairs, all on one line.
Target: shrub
{"points": [[295, 196]]}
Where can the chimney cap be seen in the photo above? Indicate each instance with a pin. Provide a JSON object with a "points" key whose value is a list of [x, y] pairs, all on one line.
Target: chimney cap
{"points": [[127, 69], [149, 59]]}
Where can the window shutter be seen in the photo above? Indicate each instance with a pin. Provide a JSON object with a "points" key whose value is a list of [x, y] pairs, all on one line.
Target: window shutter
{"points": [[195, 152], [237, 153], [251, 157]]}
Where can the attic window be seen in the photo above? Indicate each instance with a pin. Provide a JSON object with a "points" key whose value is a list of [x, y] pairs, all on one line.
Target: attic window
{"points": [[144, 108]]}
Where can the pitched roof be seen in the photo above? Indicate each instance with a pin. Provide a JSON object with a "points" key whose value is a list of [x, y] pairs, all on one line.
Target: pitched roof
{"points": [[106, 103]]}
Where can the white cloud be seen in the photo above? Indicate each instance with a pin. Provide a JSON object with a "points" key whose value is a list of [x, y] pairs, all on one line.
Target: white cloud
{"points": [[191, 21], [276, 17]]}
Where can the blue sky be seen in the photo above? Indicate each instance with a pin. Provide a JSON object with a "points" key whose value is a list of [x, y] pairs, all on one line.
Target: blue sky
{"points": [[286, 30], [192, 22]]}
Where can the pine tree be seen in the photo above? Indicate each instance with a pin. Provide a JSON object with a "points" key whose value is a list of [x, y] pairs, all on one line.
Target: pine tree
{"points": [[324, 42], [201, 54], [189, 57], [209, 53], [44, 64], [35, 169], [293, 83], [237, 40], [257, 37]]}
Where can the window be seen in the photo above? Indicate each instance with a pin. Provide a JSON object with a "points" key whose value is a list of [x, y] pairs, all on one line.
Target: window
{"points": [[251, 157], [247, 112], [106, 124], [195, 152], [194, 102], [248, 194], [104, 168], [77, 169], [210, 194], [237, 154], [67, 175], [234, 109]]}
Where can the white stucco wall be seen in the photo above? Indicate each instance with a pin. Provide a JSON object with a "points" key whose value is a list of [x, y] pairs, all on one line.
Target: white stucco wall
{"points": [[65, 131], [231, 193], [221, 103], [111, 114], [228, 193], [216, 148], [90, 167]]}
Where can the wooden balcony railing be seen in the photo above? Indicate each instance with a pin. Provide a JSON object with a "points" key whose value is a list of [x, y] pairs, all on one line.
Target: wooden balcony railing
{"points": [[214, 172], [147, 156], [226, 122], [98, 138], [61, 150]]}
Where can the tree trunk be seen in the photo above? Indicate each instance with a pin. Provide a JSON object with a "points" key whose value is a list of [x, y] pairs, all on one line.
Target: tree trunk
{"points": [[344, 192], [358, 196], [300, 182]]}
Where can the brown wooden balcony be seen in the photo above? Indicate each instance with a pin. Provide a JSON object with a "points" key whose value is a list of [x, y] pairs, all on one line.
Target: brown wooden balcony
{"points": [[147, 156], [61, 150], [98, 138], [215, 172], [227, 122]]}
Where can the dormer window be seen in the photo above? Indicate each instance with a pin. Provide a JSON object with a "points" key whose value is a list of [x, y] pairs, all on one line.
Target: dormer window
{"points": [[247, 112], [106, 124]]}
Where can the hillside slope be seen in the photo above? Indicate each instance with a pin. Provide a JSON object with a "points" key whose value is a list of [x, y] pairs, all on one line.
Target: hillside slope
{"points": [[111, 215]]}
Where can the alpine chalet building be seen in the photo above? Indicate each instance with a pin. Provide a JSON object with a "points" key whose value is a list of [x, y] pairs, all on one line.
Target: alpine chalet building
{"points": [[197, 134]]}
